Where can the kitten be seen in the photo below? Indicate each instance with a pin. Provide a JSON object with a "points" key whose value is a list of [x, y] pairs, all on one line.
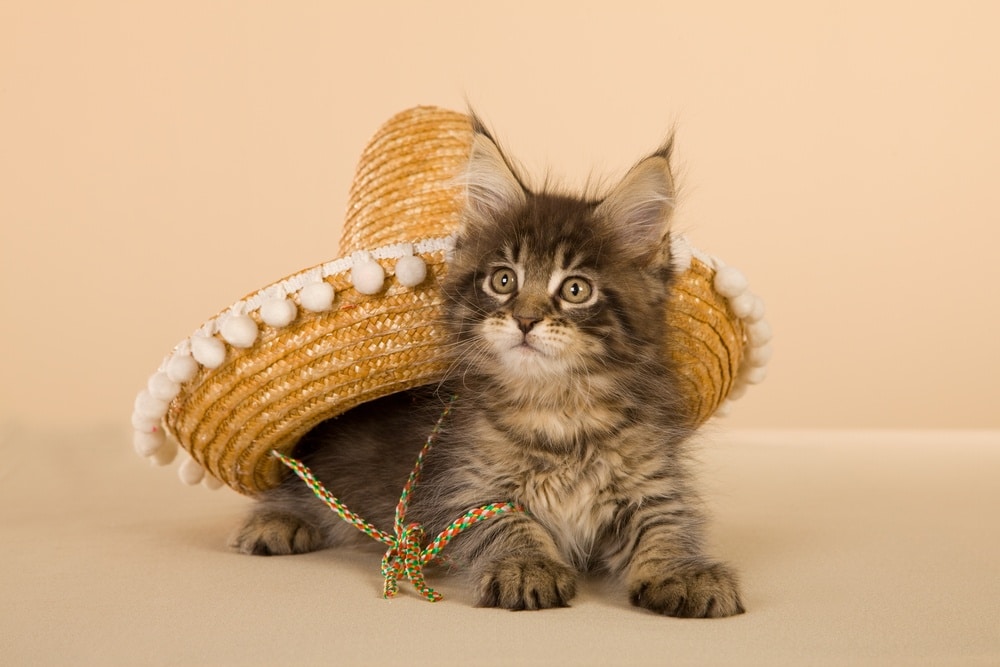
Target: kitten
{"points": [[567, 405]]}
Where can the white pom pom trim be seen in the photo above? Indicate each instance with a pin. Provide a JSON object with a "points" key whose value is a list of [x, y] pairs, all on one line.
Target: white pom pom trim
{"points": [[143, 423], [317, 297], [737, 392], [411, 271], [367, 275], [181, 368], [148, 443], [757, 312], [208, 351], [211, 482], [729, 282], [279, 312], [150, 407], [239, 331], [162, 387], [759, 332], [191, 472], [742, 305], [755, 374]]}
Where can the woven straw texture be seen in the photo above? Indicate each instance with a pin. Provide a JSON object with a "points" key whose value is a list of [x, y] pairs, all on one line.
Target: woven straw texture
{"points": [[708, 340], [269, 395]]}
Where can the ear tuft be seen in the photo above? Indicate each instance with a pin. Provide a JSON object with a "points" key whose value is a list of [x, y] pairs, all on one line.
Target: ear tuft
{"points": [[492, 187], [640, 206]]}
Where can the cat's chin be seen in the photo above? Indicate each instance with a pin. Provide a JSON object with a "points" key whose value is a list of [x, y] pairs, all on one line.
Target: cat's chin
{"points": [[525, 361]]}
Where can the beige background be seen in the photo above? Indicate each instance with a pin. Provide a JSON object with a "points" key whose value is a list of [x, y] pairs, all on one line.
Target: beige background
{"points": [[158, 161]]}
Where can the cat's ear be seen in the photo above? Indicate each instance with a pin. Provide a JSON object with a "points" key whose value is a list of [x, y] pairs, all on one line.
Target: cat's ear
{"points": [[492, 187], [641, 205]]}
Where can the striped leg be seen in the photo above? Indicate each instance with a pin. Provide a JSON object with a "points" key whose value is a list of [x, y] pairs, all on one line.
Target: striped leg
{"points": [[516, 565], [664, 568]]}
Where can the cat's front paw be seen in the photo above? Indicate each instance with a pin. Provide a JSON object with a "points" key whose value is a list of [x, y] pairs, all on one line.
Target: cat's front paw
{"points": [[275, 533], [697, 590], [520, 583]]}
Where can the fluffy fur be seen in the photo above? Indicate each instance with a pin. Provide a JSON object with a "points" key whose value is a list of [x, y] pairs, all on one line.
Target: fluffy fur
{"points": [[566, 405]]}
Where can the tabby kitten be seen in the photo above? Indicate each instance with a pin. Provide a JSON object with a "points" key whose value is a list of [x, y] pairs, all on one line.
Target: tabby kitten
{"points": [[566, 405]]}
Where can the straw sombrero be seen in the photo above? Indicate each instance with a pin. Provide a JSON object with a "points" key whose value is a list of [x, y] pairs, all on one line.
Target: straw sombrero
{"points": [[264, 371]]}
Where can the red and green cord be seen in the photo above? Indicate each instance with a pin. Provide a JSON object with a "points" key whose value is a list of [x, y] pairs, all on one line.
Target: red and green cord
{"points": [[405, 556]]}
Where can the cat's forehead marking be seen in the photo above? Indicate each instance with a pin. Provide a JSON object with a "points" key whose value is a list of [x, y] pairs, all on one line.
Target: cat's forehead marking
{"points": [[561, 258], [513, 252], [568, 258], [547, 265]]}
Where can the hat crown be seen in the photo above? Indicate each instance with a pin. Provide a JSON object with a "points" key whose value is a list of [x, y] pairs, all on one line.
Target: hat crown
{"points": [[407, 184]]}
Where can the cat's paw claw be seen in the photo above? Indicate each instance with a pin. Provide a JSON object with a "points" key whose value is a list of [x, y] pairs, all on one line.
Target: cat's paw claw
{"points": [[275, 534], [704, 590], [526, 583]]}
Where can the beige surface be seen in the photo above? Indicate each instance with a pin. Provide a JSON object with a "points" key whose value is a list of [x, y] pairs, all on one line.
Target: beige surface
{"points": [[856, 549], [161, 159]]}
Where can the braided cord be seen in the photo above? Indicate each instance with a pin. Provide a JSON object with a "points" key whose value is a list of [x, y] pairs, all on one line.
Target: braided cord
{"points": [[405, 558], [342, 510]]}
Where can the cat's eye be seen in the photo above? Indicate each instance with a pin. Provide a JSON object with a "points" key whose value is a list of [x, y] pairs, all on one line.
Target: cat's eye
{"points": [[503, 280], [576, 290]]}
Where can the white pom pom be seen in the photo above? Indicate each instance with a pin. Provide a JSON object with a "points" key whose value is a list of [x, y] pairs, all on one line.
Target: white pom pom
{"points": [[278, 312], [759, 332], [162, 387], [317, 297], [367, 276], [737, 392], [729, 282], [191, 472], [755, 375], [166, 454], [148, 443], [181, 368], [208, 351], [411, 270], [239, 330], [141, 422], [146, 405], [757, 312], [759, 356], [211, 482], [742, 305]]}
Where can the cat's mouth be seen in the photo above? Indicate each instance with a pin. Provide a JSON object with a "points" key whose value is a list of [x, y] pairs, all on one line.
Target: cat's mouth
{"points": [[527, 348], [521, 347]]}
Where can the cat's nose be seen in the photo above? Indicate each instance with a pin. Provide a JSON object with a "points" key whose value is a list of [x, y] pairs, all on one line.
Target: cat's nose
{"points": [[526, 323]]}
